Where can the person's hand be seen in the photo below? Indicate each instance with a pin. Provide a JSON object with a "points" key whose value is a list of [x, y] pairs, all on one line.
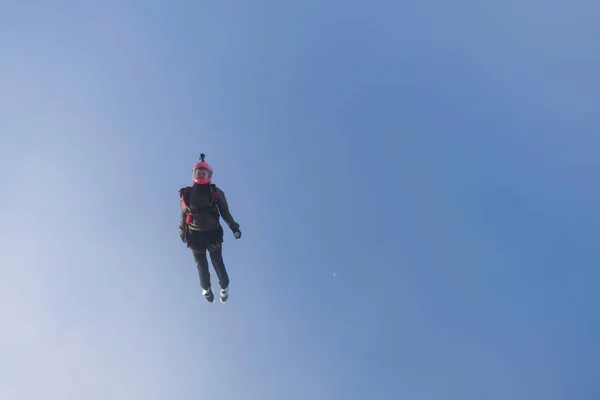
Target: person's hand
{"points": [[183, 234], [237, 234]]}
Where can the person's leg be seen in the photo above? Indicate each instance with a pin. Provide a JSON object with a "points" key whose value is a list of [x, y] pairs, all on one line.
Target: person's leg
{"points": [[199, 252], [216, 257]]}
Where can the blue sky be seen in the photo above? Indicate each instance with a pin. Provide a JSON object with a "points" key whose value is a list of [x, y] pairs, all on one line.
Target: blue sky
{"points": [[440, 157]]}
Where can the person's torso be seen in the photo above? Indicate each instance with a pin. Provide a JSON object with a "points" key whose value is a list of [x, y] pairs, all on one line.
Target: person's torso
{"points": [[203, 208]]}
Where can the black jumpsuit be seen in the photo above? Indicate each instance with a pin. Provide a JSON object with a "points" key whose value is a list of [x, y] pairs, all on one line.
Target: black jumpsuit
{"points": [[203, 231]]}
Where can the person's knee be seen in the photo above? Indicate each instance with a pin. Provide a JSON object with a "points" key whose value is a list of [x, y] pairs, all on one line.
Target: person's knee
{"points": [[201, 259]]}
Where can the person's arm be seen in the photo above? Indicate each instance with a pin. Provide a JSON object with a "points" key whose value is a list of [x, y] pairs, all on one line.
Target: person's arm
{"points": [[224, 210], [183, 217]]}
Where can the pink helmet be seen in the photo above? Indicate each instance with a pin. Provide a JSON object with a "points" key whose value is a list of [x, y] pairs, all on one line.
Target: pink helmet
{"points": [[197, 172]]}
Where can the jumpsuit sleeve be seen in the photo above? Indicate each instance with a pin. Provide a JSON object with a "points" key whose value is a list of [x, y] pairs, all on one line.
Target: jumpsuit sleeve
{"points": [[182, 218], [224, 210]]}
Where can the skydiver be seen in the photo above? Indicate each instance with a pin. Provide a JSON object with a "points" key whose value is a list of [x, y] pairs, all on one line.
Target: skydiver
{"points": [[202, 204]]}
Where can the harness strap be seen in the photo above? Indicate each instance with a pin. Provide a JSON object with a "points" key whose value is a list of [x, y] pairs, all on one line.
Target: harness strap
{"points": [[210, 208]]}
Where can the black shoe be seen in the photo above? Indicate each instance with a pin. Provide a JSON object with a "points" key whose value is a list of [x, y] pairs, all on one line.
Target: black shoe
{"points": [[224, 295], [209, 295]]}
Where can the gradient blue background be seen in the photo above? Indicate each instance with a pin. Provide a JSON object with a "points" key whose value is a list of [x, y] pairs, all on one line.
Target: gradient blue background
{"points": [[440, 157]]}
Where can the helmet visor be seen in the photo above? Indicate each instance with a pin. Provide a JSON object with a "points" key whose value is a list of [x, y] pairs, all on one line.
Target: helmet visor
{"points": [[202, 173]]}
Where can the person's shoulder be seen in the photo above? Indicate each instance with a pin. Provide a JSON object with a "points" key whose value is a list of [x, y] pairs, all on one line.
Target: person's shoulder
{"points": [[184, 190], [217, 189]]}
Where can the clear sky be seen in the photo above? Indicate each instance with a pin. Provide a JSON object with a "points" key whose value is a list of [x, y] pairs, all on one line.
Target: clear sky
{"points": [[440, 157]]}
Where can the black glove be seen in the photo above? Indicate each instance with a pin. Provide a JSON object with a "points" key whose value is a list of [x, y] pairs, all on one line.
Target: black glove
{"points": [[237, 234]]}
